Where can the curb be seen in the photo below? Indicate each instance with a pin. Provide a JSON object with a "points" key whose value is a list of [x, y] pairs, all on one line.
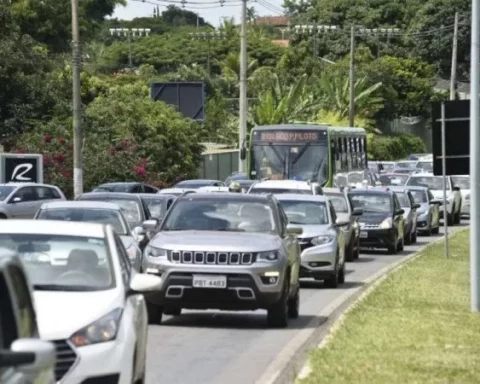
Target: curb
{"points": [[283, 367]]}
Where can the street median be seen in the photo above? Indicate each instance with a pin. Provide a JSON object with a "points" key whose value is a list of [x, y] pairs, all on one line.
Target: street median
{"points": [[415, 326]]}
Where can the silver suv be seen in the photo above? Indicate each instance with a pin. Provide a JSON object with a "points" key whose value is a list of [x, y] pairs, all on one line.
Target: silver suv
{"points": [[228, 252]]}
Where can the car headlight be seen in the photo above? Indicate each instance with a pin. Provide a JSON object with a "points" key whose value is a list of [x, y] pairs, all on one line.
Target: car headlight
{"points": [[386, 224], [267, 256], [100, 331], [325, 239], [155, 252]]}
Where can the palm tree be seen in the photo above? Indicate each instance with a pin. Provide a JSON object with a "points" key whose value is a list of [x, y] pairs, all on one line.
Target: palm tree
{"points": [[251, 14]]}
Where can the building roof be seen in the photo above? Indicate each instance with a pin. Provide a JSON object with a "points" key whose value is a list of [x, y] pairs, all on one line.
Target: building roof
{"points": [[279, 21]]}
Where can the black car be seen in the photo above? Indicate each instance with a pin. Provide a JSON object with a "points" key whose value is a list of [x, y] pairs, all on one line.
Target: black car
{"points": [[382, 224], [133, 208], [158, 204], [410, 206], [126, 187]]}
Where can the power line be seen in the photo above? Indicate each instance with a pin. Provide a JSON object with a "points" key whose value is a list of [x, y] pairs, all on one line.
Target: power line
{"points": [[273, 8]]}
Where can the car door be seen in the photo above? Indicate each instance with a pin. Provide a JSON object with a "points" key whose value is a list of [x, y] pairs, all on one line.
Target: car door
{"points": [[435, 220], [45, 195], [135, 307], [26, 207], [457, 194], [413, 210], [398, 220], [291, 244], [341, 232]]}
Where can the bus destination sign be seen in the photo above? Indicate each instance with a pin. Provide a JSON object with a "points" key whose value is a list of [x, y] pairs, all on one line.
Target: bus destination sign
{"points": [[287, 136]]}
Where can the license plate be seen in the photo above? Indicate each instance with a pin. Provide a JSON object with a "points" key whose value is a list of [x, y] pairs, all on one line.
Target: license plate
{"points": [[363, 234], [205, 281]]}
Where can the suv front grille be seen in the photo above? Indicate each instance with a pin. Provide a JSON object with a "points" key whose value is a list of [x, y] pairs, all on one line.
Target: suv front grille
{"points": [[65, 358], [369, 226], [212, 258]]}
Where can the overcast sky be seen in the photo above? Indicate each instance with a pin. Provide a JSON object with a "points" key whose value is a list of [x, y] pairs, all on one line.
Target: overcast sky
{"points": [[212, 15]]}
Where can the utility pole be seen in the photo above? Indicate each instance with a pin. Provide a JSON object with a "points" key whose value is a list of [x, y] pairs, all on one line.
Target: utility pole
{"points": [[453, 76], [77, 105], [130, 33], [208, 36], [474, 159], [351, 108], [242, 131]]}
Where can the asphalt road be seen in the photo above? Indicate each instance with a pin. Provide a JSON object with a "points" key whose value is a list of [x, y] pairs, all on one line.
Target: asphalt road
{"points": [[237, 347]]}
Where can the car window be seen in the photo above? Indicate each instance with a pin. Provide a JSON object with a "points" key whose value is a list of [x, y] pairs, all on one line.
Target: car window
{"points": [[332, 212], [396, 203], [432, 182], [420, 196], [403, 199], [8, 326], [305, 212], [130, 208], [156, 207], [28, 327], [26, 194], [136, 189], [124, 260], [149, 189], [372, 202], [339, 202], [430, 196], [5, 191], [45, 193]]}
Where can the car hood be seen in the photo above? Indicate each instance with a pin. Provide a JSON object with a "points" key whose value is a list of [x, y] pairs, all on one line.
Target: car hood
{"points": [[374, 217], [423, 207], [60, 314], [310, 231], [216, 241]]}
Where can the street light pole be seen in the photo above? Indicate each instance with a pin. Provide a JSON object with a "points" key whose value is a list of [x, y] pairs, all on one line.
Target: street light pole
{"points": [[77, 105], [351, 107], [208, 36], [453, 76], [242, 131], [129, 33]]}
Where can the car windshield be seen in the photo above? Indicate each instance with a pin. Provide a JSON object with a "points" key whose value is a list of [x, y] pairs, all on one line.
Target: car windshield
{"points": [[339, 203], [419, 196], [63, 263], [5, 192], [305, 212], [101, 216], [403, 199], [113, 188], [405, 164], [393, 179], [130, 208], [432, 182], [387, 166], [427, 166], [461, 182], [279, 191], [214, 215], [156, 207], [372, 202]]}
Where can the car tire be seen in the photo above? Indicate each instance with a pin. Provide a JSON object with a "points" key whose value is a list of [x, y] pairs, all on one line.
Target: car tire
{"points": [[349, 254], [294, 304], [277, 316], [357, 250], [436, 230], [332, 281], [450, 218], [457, 218], [408, 238], [155, 313], [414, 237], [401, 245], [392, 249], [341, 274]]}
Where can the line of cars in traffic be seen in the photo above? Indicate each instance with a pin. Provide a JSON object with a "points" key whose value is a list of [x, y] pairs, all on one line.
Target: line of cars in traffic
{"points": [[126, 254]]}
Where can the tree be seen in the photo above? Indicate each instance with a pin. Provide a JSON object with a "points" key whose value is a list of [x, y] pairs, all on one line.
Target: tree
{"points": [[178, 17]]}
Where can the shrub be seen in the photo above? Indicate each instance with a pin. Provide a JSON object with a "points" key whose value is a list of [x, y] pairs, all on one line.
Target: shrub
{"points": [[394, 147]]}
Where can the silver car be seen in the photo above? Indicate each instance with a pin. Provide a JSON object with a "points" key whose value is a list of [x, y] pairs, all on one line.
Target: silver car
{"points": [[409, 206], [463, 182], [323, 238], [22, 200], [345, 211], [228, 252], [97, 212], [428, 214]]}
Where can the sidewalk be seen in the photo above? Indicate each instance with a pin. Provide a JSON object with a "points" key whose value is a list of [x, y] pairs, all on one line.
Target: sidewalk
{"points": [[416, 326]]}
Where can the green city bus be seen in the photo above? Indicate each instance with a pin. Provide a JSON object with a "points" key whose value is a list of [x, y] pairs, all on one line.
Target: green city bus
{"points": [[303, 151]]}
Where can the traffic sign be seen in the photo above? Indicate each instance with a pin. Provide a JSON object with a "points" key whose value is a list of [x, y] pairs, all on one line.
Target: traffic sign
{"points": [[21, 167], [457, 137]]}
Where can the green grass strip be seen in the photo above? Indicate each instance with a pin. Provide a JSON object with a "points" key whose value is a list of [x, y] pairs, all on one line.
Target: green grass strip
{"points": [[415, 327]]}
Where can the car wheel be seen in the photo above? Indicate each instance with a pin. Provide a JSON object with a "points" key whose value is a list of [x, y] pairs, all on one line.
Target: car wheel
{"points": [[341, 275], [401, 245], [436, 230], [142, 380], [357, 250], [277, 315], [392, 249], [414, 236], [155, 313], [349, 254], [458, 218], [294, 304], [332, 281], [451, 218], [408, 238]]}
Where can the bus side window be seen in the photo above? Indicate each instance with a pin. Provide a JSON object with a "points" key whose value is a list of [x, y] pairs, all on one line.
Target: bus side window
{"points": [[334, 152], [345, 154], [340, 150], [355, 152], [363, 152], [349, 152]]}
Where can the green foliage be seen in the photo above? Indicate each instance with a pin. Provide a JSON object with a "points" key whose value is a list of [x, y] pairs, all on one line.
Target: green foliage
{"points": [[393, 147]]}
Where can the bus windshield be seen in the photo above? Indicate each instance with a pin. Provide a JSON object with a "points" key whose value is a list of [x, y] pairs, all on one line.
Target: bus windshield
{"points": [[291, 161]]}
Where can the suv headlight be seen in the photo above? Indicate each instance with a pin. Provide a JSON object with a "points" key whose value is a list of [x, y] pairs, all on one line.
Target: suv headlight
{"points": [[100, 331], [386, 224], [270, 256], [325, 239], [155, 252]]}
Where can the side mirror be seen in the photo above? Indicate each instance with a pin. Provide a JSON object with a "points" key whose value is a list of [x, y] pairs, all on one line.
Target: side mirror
{"points": [[16, 200], [378, 183], [457, 189], [293, 230], [30, 355], [150, 225], [340, 223], [142, 282], [243, 153], [416, 206], [400, 211], [357, 212], [138, 234], [436, 202]]}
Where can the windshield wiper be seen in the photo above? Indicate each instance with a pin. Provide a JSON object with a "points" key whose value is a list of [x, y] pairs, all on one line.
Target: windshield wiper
{"points": [[67, 288]]}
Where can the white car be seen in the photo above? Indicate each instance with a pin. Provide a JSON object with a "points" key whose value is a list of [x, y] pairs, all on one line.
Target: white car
{"points": [[463, 182], [286, 186], [323, 239], [92, 308]]}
